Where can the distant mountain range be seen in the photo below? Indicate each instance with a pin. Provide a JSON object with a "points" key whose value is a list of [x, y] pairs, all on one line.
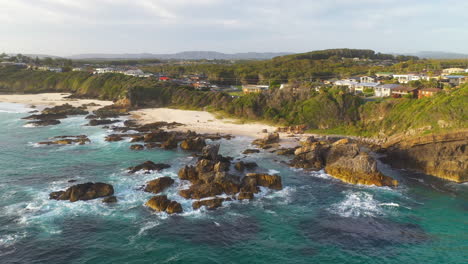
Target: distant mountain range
{"points": [[186, 55], [439, 55]]}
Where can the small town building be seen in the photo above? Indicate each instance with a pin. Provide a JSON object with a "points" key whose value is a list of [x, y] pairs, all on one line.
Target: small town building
{"points": [[254, 88], [104, 70], [361, 87], [368, 79], [385, 90], [346, 82], [449, 71], [401, 91], [456, 80], [406, 78], [428, 92]]}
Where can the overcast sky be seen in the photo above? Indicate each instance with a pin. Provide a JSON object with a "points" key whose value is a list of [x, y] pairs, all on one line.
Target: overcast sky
{"points": [[66, 27]]}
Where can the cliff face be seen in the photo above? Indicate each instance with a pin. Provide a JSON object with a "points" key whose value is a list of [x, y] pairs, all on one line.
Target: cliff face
{"points": [[443, 155]]}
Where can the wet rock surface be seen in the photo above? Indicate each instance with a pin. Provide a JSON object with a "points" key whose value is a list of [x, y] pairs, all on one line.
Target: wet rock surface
{"points": [[158, 185], [149, 166], [84, 192], [160, 203], [67, 140]]}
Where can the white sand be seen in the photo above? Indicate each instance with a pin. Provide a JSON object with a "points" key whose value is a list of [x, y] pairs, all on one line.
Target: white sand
{"points": [[201, 122], [49, 99]]}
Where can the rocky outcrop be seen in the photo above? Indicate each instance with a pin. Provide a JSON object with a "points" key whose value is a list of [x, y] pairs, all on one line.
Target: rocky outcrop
{"points": [[360, 169], [110, 199], [98, 122], [444, 155], [160, 203], [341, 159], [50, 122], [158, 185], [113, 138], [149, 166], [65, 109], [250, 151], [209, 204], [266, 180], [170, 143], [67, 140], [241, 165], [193, 144], [299, 129], [84, 192], [267, 141]]}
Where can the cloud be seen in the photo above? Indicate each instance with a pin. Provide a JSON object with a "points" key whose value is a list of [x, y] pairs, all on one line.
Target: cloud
{"points": [[229, 25]]}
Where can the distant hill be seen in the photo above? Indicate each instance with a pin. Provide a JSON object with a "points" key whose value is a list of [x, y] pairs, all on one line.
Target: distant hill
{"points": [[186, 55], [440, 55]]}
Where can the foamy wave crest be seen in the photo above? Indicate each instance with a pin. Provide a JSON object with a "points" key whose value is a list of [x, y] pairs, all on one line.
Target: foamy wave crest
{"points": [[360, 204], [29, 125], [10, 239]]}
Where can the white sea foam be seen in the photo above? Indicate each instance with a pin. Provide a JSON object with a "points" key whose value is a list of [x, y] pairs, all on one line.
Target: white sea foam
{"points": [[359, 204], [272, 171], [10, 239]]}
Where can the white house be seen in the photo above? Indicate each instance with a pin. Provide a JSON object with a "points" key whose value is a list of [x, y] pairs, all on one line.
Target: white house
{"points": [[360, 87], [449, 71], [385, 90], [346, 82], [368, 79], [104, 70], [406, 78]]}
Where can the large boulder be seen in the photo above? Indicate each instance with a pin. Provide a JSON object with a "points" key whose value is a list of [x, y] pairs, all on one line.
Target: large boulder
{"points": [[202, 190], [137, 147], [210, 152], [188, 173], [158, 185], [170, 143], [155, 136], [271, 138], [193, 144], [149, 166], [267, 180], [84, 192], [47, 122], [361, 169], [67, 140], [160, 203], [310, 156], [65, 109]]}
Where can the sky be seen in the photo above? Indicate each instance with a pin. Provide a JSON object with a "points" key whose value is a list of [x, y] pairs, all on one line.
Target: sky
{"points": [[67, 27]]}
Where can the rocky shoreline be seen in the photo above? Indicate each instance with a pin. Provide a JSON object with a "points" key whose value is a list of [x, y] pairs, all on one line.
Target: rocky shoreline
{"points": [[215, 179]]}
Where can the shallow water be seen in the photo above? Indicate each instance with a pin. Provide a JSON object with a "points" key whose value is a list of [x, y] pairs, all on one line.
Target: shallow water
{"points": [[314, 219]]}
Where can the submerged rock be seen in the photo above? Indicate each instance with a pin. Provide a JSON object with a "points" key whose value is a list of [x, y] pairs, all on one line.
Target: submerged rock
{"points": [[67, 140], [250, 151], [114, 138], [210, 204], [158, 185], [84, 192], [98, 122], [110, 199], [50, 122], [137, 147], [149, 166]]}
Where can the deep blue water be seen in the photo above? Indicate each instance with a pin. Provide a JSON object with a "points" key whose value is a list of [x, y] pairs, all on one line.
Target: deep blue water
{"points": [[314, 219]]}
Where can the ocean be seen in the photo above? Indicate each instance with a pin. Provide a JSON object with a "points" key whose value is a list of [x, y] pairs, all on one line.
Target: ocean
{"points": [[314, 219]]}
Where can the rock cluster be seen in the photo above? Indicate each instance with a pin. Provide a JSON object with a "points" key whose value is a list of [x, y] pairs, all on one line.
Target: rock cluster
{"points": [[149, 166], [341, 159], [299, 129], [160, 203], [158, 185], [84, 192], [210, 177], [50, 116], [268, 141]]}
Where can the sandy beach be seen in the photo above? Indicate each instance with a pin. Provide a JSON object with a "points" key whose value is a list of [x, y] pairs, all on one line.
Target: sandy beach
{"points": [[198, 121], [50, 99]]}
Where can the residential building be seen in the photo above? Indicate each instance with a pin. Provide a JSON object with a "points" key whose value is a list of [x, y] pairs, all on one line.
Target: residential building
{"points": [[104, 70], [428, 92], [385, 90], [254, 88], [456, 80], [360, 87], [400, 91], [368, 79], [346, 82], [452, 71], [55, 69], [406, 78], [384, 74]]}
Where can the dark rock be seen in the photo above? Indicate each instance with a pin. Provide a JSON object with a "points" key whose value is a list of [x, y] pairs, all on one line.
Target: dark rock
{"points": [[80, 140], [110, 199], [84, 192], [149, 166], [271, 138], [44, 122], [193, 144], [188, 173], [245, 196], [174, 208], [170, 143], [65, 109], [158, 185], [114, 138], [250, 151], [137, 147], [98, 122], [160, 203], [158, 136], [210, 152], [152, 145], [210, 204], [45, 117]]}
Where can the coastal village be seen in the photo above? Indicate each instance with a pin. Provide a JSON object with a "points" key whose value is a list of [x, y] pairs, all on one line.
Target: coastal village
{"points": [[377, 85]]}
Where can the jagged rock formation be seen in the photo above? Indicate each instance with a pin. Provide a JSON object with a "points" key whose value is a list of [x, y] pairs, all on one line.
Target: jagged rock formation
{"points": [[67, 140], [444, 155], [341, 159], [84, 192], [148, 166], [158, 185], [160, 203]]}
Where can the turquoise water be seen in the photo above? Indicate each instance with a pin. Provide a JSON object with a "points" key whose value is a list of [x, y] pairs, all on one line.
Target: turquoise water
{"points": [[314, 219]]}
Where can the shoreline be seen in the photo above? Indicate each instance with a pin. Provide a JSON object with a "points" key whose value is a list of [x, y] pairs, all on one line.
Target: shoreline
{"points": [[197, 121]]}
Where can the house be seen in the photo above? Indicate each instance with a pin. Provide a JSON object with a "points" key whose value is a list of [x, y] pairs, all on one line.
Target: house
{"points": [[406, 78], [428, 92], [361, 87], [452, 71], [456, 80], [385, 90], [384, 75], [346, 82], [400, 91], [104, 70], [78, 69], [55, 69], [254, 88], [368, 79]]}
